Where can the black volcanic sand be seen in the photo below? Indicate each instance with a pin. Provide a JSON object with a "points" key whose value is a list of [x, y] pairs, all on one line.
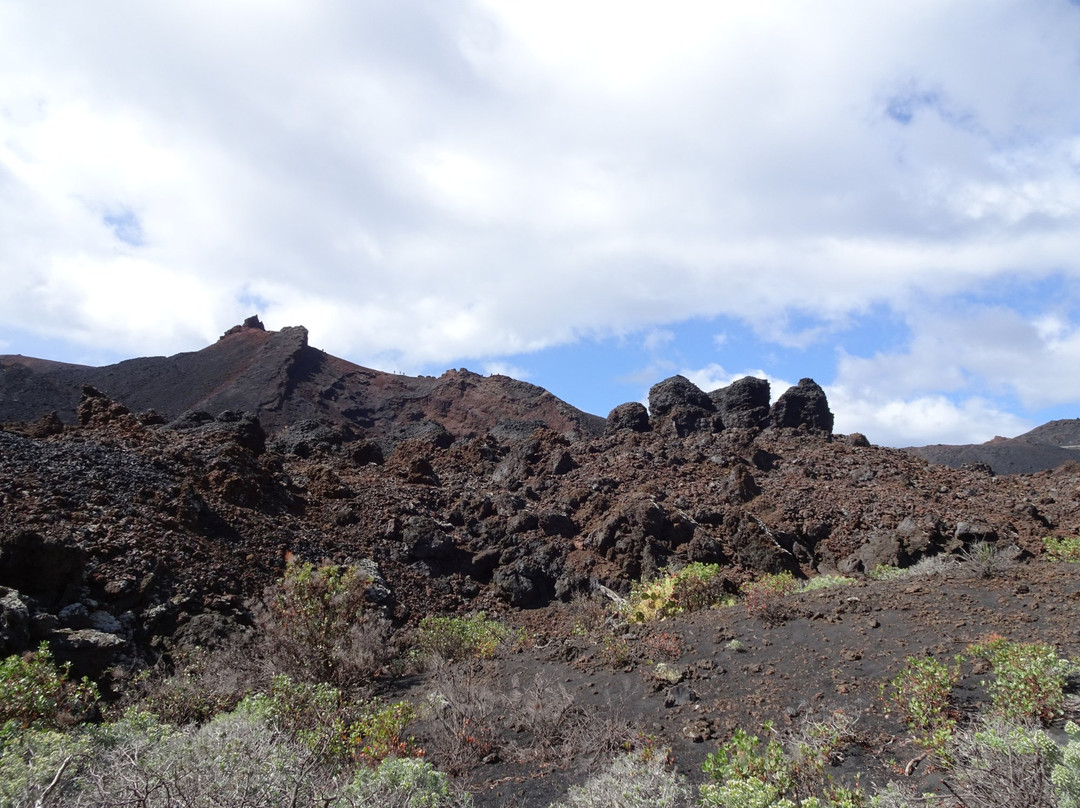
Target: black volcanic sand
{"points": [[833, 653]]}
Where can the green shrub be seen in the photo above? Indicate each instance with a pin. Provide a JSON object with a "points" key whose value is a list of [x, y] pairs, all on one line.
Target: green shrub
{"points": [[748, 773], [456, 638], [236, 759], [1028, 681], [886, 572], [923, 568], [745, 758], [1062, 548], [240, 758], [39, 765], [695, 586], [921, 693], [38, 692], [323, 720], [825, 582], [1066, 771], [320, 626]]}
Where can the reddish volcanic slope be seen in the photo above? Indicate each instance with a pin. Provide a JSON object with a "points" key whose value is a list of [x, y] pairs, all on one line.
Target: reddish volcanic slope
{"points": [[280, 378]]}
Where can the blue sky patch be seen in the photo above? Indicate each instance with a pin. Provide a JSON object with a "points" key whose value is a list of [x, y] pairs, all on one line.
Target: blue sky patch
{"points": [[126, 227]]}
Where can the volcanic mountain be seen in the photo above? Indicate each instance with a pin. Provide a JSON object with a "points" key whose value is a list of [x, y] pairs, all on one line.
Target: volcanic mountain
{"points": [[282, 380], [1045, 447]]}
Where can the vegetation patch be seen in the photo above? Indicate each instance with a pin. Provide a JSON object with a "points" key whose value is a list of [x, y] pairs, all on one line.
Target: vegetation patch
{"points": [[766, 598], [921, 693]]}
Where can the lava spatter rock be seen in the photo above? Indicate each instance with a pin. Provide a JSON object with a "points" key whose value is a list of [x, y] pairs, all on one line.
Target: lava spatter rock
{"points": [[743, 404], [679, 407], [803, 406], [630, 416]]}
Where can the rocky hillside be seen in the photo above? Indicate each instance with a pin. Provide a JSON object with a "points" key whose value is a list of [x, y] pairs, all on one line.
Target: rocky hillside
{"points": [[122, 534]]}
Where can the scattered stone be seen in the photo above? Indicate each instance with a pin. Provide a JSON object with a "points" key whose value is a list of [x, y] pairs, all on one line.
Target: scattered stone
{"points": [[668, 673]]}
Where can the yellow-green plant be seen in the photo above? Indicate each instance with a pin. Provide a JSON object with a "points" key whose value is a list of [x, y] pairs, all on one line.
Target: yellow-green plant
{"points": [[825, 582], [747, 772], [695, 586], [921, 693], [322, 719], [1062, 548], [457, 638]]}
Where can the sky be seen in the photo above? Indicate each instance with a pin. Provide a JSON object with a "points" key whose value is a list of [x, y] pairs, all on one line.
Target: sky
{"points": [[590, 195]]}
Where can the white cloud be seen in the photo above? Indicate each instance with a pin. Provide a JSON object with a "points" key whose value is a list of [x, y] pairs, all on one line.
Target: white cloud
{"points": [[506, 369], [921, 420], [657, 338], [419, 182], [969, 348]]}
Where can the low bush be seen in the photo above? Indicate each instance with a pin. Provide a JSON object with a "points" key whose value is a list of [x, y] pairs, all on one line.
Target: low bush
{"points": [[197, 684], [332, 726], [39, 765], [556, 729], [455, 638], [459, 718], [1028, 678], [749, 773], [825, 582], [998, 764], [36, 691], [402, 783], [631, 781], [985, 560], [927, 567], [766, 598], [1062, 548], [1065, 773], [816, 744]]}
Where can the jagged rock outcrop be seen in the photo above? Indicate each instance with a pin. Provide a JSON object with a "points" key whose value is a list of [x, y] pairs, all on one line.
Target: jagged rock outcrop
{"points": [[743, 404], [803, 407], [48, 569], [679, 407]]}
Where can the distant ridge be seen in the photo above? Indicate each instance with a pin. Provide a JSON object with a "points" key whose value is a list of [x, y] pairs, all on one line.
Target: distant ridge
{"points": [[283, 380], [1044, 447]]}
